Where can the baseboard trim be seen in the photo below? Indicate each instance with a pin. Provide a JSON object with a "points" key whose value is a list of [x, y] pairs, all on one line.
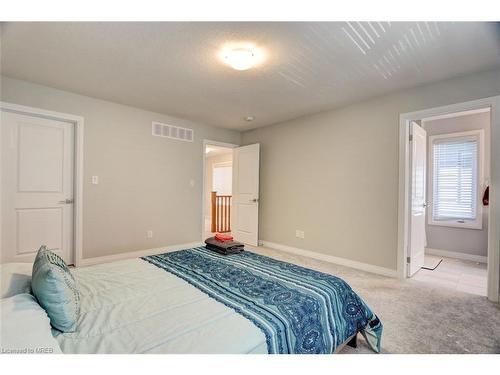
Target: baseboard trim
{"points": [[333, 259], [456, 255], [136, 254]]}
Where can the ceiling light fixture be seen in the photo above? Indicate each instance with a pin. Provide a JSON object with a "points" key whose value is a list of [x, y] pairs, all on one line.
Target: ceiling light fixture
{"points": [[249, 118], [241, 56]]}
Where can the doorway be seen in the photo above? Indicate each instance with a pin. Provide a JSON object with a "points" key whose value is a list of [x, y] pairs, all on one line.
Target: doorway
{"points": [[231, 191], [41, 186], [217, 188], [445, 205]]}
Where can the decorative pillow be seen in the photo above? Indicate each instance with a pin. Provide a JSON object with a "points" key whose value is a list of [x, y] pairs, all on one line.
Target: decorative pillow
{"points": [[15, 278], [25, 327], [55, 289]]}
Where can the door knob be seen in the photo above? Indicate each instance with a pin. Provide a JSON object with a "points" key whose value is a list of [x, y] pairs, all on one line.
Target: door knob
{"points": [[66, 201], [255, 200]]}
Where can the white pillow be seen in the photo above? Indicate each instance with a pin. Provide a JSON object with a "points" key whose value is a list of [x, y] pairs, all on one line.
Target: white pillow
{"points": [[15, 278], [25, 327]]}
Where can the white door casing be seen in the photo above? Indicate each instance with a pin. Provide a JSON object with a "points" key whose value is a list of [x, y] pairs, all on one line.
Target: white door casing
{"points": [[37, 180], [245, 218], [493, 103], [418, 168]]}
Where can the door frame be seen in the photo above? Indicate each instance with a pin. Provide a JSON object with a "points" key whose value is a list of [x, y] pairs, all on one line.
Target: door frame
{"points": [[203, 200], [494, 208], [78, 123]]}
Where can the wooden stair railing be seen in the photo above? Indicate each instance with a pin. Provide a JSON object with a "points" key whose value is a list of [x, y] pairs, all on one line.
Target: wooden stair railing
{"points": [[221, 213]]}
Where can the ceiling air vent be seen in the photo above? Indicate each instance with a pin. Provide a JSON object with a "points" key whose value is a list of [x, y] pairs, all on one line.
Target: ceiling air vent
{"points": [[174, 132]]}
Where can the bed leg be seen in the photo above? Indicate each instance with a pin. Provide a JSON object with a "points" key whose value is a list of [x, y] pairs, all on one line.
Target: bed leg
{"points": [[353, 343]]}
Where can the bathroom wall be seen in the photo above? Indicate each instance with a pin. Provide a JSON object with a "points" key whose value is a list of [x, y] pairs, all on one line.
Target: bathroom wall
{"points": [[461, 240]]}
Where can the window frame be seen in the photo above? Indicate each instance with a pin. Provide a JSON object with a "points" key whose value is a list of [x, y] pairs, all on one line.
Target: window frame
{"points": [[455, 223]]}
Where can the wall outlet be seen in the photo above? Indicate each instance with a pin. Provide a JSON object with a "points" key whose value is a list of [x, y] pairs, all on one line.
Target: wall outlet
{"points": [[150, 234], [95, 180], [299, 233]]}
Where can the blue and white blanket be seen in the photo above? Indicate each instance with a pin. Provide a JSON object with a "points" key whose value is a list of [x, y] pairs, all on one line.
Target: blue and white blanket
{"points": [[298, 309]]}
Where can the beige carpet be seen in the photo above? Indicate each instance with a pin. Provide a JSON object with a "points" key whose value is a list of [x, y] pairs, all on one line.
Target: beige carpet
{"points": [[417, 317]]}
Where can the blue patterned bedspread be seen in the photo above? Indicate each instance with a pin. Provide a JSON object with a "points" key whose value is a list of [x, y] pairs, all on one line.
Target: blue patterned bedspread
{"points": [[298, 309]]}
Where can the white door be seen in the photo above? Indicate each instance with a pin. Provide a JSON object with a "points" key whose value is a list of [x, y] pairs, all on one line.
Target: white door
{"points": [[418, 162], [37, 187], [245, 218]]}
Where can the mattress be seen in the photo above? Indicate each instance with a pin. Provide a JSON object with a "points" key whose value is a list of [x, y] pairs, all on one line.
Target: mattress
{"points": [[300, 310], [198, 301], [132, 306]]}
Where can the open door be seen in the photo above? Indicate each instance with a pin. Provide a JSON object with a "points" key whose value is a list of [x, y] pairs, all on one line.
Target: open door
{"points": [[245, 220], [418, 161]]}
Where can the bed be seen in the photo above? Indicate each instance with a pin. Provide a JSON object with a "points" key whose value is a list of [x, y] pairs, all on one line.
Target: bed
{"points": [[198, 301]]}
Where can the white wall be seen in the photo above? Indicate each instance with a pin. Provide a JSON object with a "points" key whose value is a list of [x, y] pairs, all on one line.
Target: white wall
{"points": [[462, 240], [335, 174], [144, 181]]}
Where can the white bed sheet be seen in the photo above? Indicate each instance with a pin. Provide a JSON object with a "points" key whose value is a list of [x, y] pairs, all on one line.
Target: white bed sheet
{"points": [[25, 327], [132, 306]]}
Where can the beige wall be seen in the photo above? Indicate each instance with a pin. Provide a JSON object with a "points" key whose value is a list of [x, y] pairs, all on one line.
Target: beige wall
{"points": [[462, 240], [144, 181], [335, 174]]}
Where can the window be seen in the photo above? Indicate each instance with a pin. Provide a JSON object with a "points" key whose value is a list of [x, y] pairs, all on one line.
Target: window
{"points": [[455, 173], [222, 178]]}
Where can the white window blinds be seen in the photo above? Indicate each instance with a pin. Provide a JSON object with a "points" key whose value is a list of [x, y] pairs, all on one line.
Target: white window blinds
{"points": [[455, 174]]}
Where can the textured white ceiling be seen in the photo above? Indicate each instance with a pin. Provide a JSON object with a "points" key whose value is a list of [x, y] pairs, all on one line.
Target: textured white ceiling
{"points": [[174, 68]]}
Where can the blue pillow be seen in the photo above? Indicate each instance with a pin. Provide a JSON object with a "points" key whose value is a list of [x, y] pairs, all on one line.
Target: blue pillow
{"points": [[55, 289]]}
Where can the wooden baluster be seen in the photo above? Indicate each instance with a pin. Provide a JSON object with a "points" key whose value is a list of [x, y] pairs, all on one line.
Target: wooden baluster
{"points": [[221, 208], [225, 219], [218, 213], [222, 213], [229, 216], [214, 211]]}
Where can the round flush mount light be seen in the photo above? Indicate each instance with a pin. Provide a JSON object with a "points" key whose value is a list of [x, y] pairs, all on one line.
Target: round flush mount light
{"points": [[241, 57], [249, 118]]}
